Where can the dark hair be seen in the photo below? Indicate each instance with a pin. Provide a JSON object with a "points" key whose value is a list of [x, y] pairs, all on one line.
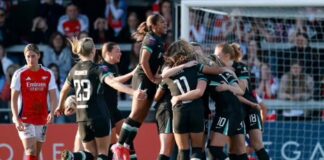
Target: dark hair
{"points": [[146, 26], [303, 34], [53, 36], [161, 4], [58, 78]]}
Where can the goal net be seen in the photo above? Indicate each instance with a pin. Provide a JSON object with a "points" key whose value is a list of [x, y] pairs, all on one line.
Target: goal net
{"points": [[282, 44]]}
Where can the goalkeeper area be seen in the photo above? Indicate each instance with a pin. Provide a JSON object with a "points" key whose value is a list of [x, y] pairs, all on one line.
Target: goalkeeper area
{"points": [[282, 43]]}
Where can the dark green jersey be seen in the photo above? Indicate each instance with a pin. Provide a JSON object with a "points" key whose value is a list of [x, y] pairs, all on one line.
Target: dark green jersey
{"points": [[165, 101], [242, 73], [106, 90], [225, 101], [184, 81], [154, 45], [86, 78]]}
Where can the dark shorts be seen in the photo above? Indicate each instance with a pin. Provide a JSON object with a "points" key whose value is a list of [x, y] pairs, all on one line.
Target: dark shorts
{"points": [[115, 116], [253, 120], [164, 120], [140, 81], [228, 124], [188, 119], [89, 130]]}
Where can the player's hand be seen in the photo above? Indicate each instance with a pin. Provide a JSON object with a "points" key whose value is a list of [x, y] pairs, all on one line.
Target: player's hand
{"points": [[50, 118], [140, 94], [19, 125], [174, 100], [59, 111], [256, 106], [190, 64], [157, 79], [223, 86]]}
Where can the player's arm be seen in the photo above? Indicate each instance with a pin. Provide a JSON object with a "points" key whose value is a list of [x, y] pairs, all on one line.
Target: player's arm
{"points": [[168, 72], [124, 78], [159, 94], [63, 95], [234, 88], [14, 105], [144, 62], [191, 95], [248, 102], [243, 83], [139, 94], [215, 70]]}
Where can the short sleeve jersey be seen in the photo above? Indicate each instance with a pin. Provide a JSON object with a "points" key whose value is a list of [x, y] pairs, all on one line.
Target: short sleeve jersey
{"points": [[34, 87], [185, 81], [242, 72], [106, 90], [155, 46], [225, 101], [166, 98], [86, 78]]}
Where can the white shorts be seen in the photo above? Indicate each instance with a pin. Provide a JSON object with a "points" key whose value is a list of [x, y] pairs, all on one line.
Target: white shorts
{"points": [[34, 131]]}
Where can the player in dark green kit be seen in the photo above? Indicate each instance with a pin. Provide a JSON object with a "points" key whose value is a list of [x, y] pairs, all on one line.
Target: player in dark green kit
{"points": [[164, 118], [145, 77], [186, 87], [93, 118], [230, 55]]}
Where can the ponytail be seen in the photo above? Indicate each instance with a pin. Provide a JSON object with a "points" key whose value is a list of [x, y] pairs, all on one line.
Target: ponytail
{"points": [[141, 31], [146, 26], [83, 46], [237, 56]]}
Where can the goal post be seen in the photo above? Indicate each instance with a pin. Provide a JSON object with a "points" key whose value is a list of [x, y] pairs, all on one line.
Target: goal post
{"points": [[186, 4]]}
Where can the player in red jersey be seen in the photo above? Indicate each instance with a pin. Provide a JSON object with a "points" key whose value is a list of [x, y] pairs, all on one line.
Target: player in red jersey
{"points": [[30, 88]]}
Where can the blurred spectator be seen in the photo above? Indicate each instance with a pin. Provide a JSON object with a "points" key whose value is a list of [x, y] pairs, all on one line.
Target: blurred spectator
{"points": [[166, 12], [268, 85], [148, 13], [6, 5], [300, 26], [59, 54], [252, 58], [278, 29], [156, 7], [134, 56], [116, 12], [101, 34], [83, 34], [92, 8], [125, 35], [73, 22], [5, 61], [197, 29], [258, 32], [39, 31], [7, 36], [6, 92], [295, 86], [56, 71], [234, 30], [51, 11], [168, 39]]}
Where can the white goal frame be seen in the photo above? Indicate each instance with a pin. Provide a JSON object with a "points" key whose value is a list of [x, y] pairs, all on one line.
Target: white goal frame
{"points": [[186, 4]]}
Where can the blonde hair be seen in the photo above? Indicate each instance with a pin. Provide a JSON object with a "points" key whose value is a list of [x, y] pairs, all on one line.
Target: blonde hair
{"points": [[237, 52], [83, 46], [31, 47]]}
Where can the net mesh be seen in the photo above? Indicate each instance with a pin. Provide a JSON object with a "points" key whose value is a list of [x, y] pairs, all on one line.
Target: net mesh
{"points": [[283, 48]]}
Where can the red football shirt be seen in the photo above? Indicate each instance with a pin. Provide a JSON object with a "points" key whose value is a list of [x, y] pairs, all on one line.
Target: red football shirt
{"points": [[33, 87]]}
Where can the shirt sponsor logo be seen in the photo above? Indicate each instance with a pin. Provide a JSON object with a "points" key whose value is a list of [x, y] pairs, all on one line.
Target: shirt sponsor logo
{"points": [[44, 77], [36, 86], [81, 73]]}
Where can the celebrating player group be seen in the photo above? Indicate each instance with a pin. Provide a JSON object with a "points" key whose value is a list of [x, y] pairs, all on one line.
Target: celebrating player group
{"points": [[180, 79]]}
